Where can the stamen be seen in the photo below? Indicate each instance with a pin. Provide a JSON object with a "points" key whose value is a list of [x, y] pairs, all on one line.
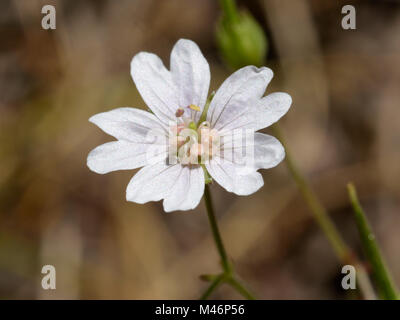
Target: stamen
{"points": [[193, 142], [194, 107], [179, 112]]}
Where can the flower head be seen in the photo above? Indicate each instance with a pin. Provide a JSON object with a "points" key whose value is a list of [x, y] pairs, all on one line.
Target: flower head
{"points": [[187, 133]]}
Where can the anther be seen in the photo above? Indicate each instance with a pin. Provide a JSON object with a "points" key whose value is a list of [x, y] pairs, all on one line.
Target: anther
{"points": [[194, 107], [179, 112]]}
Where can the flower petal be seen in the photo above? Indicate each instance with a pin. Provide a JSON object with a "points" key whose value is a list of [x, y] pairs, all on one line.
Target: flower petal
{"points": [[155, 85], [186, 193], [261, 114], [269, 110], [268, 151], [190, 73], [152, 183], [232, 178], [123, 155], [262, 151], [235, 169], [240, 92], [181, 187], [128, 124]]}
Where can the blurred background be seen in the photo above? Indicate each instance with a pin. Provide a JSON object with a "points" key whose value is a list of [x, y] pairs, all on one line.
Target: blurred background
{"points": [[343, 126]]}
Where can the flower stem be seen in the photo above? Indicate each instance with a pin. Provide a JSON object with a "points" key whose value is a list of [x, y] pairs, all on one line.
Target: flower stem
{"points": [[320, 214], [215, 231], [313, 202], [383, 279], [214, 285], [241, 289], [228, 273]]}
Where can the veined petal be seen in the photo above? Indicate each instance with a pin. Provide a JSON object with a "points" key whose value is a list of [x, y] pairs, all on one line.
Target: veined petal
{"points": [[187, 191], [181, 187], [190, 73], [123, 155], [128, 124], [262, 114], [240, 92], [178, 96], [155, 85], [235, 169], [152, 183], [232, 177], [270, 109], [268, 151], [261, 152]]}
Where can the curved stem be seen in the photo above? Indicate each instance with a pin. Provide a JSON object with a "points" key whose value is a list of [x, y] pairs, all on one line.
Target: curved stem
{"points": [[323, 219], [380, 271], [313, 202]]}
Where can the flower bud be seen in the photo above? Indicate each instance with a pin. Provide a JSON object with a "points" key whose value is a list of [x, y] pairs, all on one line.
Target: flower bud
{"points": [[241, 41]]}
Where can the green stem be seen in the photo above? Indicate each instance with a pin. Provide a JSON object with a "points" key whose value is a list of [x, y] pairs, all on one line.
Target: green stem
{"points": [[320, 214], [215, 231], [214, 285], [203, 116], [230, 10], [207, 177], [240, 288], [384, 281], [228, 273]]}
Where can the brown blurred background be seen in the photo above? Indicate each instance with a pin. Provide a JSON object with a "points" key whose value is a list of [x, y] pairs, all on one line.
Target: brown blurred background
{"points": [[343, 126]]}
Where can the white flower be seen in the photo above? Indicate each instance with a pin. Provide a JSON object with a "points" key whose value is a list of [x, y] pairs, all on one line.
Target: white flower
{"points": [[178, 96]]}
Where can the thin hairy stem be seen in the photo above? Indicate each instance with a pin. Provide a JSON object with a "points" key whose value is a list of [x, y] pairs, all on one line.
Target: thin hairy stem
{"points": [[323, 219], [228, 272], [387, 287], [215, 231]]}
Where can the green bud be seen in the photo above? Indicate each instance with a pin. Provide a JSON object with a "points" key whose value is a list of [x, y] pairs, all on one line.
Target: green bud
{"points": [[241, 40]]}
